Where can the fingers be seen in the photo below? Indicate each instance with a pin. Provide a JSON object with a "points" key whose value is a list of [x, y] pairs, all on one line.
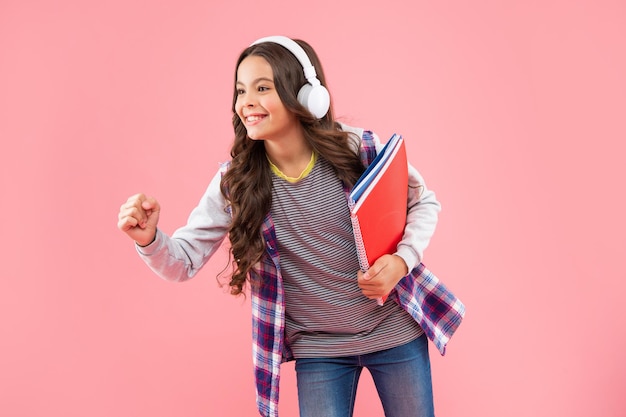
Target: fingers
{"points": [[382, 276], [372, 286], [376, 269], [137, 215], [125, 223], [132, 213], [139, 205]]}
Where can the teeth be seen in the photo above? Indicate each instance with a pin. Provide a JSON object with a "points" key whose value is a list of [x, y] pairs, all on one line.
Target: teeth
{"points": [[253, 118]]}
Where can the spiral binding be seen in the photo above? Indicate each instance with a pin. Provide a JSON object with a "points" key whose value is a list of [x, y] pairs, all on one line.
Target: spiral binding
{"points": [[360, 246]]}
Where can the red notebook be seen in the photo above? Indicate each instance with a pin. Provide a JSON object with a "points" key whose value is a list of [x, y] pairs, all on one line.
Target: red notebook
{"points": [[378, 204]]}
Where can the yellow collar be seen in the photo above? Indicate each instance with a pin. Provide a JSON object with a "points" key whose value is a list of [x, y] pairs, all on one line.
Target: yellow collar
{"points": [[303, 174]]}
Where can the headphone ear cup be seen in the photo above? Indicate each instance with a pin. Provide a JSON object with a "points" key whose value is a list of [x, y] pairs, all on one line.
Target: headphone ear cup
{"points": [[315, 98]]}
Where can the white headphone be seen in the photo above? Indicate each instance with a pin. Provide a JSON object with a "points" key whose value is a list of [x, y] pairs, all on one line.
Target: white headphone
{"points": [[313, 95]]}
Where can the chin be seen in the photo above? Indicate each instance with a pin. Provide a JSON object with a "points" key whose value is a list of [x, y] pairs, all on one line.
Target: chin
{"points": [[254, 136]]}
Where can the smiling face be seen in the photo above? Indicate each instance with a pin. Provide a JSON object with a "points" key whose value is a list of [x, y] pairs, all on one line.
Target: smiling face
{"points": [[258, 104]]}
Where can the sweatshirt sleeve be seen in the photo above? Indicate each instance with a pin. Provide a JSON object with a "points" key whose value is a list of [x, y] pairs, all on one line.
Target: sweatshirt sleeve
{"points": [[422, 215], [180, 256]]}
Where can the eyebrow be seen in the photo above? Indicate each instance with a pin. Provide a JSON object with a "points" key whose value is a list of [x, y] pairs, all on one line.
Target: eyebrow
{"points": [[258, 80]]}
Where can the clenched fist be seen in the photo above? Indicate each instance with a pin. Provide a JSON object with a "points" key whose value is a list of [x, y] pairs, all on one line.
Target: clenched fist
{"points": [[138, 218]]}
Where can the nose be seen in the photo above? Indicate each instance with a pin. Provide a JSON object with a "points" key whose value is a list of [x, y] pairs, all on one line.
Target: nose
{"points": [[247, 99]]}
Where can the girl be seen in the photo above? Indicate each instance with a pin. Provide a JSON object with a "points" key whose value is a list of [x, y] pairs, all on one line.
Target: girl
{"points": [[281, 201]]}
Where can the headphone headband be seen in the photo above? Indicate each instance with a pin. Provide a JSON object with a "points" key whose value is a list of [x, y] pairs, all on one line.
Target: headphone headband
{"points": [[297, 51]]}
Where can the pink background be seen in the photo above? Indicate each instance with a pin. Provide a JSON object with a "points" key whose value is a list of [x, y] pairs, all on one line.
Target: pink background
{"points": [[514, 112]]}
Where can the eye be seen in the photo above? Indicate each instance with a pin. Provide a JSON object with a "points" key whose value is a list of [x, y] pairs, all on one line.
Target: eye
{"points": [[263, 88], [240, 91]]}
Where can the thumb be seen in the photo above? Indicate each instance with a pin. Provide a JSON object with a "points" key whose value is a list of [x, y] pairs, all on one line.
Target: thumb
{"points": [[150, 204], [363, 276], [152, 208], [375, 269]]}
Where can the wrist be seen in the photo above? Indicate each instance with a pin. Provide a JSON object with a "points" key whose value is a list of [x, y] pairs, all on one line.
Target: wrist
{"points": [[402, 265], [143, 244]]}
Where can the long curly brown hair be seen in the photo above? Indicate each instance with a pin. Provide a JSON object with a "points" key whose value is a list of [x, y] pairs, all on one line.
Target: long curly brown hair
{"points": [[247, 184]]}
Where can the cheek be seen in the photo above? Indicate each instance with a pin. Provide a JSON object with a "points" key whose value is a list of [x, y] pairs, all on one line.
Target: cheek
{"points": [[239, 111], [275, 106], [238, 107]]}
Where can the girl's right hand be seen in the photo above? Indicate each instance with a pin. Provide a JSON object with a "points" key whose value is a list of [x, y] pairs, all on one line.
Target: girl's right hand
{"points": [[138, 218]]}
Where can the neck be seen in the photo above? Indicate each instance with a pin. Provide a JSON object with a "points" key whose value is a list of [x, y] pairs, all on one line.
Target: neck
{"points": [[290, 158]]}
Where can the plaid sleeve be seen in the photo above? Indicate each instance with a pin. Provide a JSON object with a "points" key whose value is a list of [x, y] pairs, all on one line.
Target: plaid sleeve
{"points": [[437, 310]]}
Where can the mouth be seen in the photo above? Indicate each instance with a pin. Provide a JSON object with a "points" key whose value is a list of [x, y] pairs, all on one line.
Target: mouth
{"points": [[254, 118]]}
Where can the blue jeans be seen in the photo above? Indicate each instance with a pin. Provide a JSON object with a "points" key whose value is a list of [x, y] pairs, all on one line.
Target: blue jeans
{"points": [[327, 386]]}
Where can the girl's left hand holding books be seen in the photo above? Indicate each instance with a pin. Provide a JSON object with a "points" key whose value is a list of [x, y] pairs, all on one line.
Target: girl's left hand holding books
{"points": [[382, 276]]}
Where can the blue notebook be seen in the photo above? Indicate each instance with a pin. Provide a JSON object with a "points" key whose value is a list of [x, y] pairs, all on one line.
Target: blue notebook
{"points": [[374, 168]]}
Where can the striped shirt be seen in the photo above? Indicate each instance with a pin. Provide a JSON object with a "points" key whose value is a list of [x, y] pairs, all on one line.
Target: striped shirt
{"points": [[326, 315]]}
